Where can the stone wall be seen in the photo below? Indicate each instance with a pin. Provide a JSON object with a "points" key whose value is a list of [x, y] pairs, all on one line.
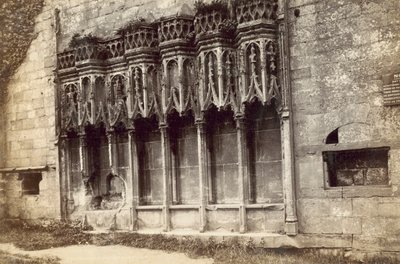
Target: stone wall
{"points": [[30, 127], [30, 108], [340, 50]]}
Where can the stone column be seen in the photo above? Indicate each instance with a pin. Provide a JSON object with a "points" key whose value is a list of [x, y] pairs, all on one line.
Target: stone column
{"points": [[132, 195], [84, 170], [91, 100], [112, 151], [243, 171], [291, 223], [166, 165], [66, 172], [289, 191], [84, 160], [203, 172]]}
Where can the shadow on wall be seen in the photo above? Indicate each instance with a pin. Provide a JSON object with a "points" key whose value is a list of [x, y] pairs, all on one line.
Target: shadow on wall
{"points": [[350, 133]]}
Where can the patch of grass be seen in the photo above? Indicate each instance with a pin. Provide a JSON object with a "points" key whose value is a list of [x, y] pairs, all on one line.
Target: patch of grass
{"points": [[45, 235], [57, 234], [7, 258]]}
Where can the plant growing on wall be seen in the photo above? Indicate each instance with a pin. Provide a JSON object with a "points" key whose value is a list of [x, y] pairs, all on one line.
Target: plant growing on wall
{"points": [[78, 40], [17, 20], [228, 25], [201, 7], [131, 26]]}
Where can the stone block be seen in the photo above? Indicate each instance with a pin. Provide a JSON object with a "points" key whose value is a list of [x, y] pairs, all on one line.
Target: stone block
{"points": [[150, 219], [310, 172], [187, 152], [380, 226], [156, 185], [189, 185], [224, 155], [185, 219], [268, 145], [223, 220], [376, 243], [367, 191], [321, 225], [365, 207], [304, 73], [325, 207], [260, 220], [389, 209], [352, 225]]}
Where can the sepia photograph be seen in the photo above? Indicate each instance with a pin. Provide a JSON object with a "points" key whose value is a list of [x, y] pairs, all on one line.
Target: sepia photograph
{"points": [[199, 131]]}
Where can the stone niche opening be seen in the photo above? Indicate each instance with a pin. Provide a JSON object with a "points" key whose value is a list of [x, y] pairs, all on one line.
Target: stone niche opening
{"points": [[148, 140], [265, 153], [115, 194], [106, 189], [223, 156], [99, 167], [185, 164], [359, 167], [30, 182]]}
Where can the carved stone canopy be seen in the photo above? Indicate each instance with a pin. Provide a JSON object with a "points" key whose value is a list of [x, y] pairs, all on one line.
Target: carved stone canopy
{"points": [[180, 63]]}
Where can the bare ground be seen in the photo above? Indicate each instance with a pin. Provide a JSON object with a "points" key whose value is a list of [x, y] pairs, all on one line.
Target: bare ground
{"points": [[90, 254]]}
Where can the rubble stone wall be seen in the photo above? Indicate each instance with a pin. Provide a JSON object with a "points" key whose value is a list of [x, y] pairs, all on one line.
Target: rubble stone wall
{"points": [[340, 52]]}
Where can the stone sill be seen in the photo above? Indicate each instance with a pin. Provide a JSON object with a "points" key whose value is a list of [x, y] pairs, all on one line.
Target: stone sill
{"points": [[274, 206], [24, 169], [214, 207], [267, 240], [362, 191], [149, 207], [184, 206]]}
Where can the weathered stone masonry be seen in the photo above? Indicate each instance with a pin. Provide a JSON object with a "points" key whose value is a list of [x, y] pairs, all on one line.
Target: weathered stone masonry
{"points": [[159, 90], [164, 115]]}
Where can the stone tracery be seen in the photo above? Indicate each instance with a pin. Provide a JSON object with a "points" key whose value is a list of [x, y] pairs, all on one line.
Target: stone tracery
{"points": [[181, 64]]}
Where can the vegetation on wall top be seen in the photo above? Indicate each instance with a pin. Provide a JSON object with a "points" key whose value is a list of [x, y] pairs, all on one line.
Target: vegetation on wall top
{"points": [[132, 26], [78, 40], [201, 7], [17, 19]]}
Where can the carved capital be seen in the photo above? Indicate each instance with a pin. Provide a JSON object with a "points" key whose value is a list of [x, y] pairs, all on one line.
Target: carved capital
{"points": [[241, 122], [83, 139], [111, 136]]}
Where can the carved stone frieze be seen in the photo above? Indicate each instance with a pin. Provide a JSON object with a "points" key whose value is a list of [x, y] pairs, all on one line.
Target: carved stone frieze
{"points": [[69, 106], [141, 36], [179, 63], [115, 48], [66, 59], [249, 11], [116, 100], [176, 28]]}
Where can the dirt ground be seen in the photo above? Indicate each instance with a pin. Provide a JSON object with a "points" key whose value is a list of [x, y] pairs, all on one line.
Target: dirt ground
{"points": [[88, 254]]}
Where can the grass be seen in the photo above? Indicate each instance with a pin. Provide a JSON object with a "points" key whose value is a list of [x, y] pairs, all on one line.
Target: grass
{"points": [[7, 258], [57, 234]]}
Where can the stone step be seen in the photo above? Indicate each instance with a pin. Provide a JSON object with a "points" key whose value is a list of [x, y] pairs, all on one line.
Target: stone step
{"points": [[107, 219]]}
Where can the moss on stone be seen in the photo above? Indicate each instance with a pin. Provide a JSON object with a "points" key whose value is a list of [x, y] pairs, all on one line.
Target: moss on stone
{"points": [[17, 18]]}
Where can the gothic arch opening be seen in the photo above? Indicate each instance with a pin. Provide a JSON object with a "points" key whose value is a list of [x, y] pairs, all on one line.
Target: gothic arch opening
{"points": [[148, 142], [185, 165], [265, 153], [223, 154]]}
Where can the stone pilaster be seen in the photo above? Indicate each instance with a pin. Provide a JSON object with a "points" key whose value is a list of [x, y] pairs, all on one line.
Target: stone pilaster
{"points": [[166, 166], [243, 159], [289, 192], [203, 173], [132, 195], [112, 151]]}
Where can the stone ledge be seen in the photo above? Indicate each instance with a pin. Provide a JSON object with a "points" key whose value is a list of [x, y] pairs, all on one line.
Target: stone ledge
{"points": [[267, 240]]}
